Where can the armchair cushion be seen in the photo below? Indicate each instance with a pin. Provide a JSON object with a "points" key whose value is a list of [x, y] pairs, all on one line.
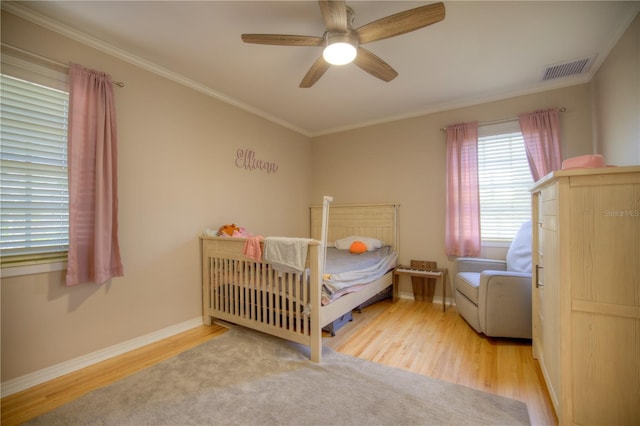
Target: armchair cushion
{"points": [[467, 283]]}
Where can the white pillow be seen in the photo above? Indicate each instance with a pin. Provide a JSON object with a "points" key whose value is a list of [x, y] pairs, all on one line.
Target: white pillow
{"points": [[371, 243], [519, 254]]}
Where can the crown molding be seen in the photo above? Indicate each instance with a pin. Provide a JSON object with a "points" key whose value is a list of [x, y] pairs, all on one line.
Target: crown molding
{"points": [[464, 103]]}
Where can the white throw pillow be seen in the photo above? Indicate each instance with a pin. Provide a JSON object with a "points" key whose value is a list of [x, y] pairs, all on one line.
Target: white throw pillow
{"points": [[371, 243], [519, 254]]}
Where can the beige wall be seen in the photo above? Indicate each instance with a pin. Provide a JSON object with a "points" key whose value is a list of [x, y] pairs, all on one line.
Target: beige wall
{"points": [[177, 176], [404, 161], [616, 101]]}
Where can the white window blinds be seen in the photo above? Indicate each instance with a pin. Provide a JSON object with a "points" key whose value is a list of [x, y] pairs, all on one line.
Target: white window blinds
{"points": [[504, 181], [34, 214]]}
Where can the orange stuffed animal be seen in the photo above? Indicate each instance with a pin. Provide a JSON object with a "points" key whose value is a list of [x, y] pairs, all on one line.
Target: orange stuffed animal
{"points": [[357, 247], [228, 229]]}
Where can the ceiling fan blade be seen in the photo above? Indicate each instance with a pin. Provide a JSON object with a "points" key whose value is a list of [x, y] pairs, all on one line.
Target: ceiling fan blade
{"points": [[334, 14], [401, 23], [374, 65], [282, 39], [317, 70]]}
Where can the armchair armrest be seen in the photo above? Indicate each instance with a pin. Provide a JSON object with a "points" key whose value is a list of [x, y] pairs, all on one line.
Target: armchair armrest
{"points": [[504, 303], [516, 277], [477, 264]]}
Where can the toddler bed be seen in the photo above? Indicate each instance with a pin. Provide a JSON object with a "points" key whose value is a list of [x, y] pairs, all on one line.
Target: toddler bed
{"points": [[291, 304]]}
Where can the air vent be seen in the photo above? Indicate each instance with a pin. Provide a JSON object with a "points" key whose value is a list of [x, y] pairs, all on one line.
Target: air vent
{"points": [[565, 69]]}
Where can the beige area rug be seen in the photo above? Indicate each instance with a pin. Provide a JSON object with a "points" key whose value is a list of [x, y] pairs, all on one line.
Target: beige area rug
{"points": [[248, 378]]}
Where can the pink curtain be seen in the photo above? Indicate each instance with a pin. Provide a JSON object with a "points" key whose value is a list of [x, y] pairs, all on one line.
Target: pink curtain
{"points": [[94, 253], [541, 132], [462, 233]]}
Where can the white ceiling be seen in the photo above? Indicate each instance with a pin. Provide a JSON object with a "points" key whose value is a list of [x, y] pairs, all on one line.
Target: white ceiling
{"points": [[482, 51]]}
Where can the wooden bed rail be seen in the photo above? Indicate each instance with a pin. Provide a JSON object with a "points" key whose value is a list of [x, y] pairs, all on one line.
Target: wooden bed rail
{"points": [[253, 294]]}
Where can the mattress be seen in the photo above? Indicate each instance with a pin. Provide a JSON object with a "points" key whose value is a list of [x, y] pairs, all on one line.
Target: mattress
{"points": [[346, 272]]}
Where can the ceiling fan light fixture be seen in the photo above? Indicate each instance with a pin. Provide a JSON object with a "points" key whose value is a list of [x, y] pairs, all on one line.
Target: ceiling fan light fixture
{"points": [[341, 42], [340, 49]]}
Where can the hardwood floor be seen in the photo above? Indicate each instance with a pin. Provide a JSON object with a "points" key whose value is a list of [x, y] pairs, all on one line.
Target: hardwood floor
{"points": [[419, 337], [415, 336]]}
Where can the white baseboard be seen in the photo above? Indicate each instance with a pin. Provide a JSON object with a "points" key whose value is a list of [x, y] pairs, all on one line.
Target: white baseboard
{"points": [[436, 299], [37, 377], [405, 295]]}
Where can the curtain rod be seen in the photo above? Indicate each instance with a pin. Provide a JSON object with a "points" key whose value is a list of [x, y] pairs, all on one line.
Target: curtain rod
{"points": [[504, 120], [43, 58]]}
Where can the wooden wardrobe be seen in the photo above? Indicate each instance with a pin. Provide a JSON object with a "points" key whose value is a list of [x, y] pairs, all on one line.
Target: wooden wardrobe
{"points": [[586, 293]]}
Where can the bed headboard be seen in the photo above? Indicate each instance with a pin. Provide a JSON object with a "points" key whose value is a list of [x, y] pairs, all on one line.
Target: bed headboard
{"points": [[366, 220]]}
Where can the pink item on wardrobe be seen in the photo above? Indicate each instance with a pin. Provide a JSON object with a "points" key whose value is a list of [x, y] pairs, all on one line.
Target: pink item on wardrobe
{"points": [[584, 162]]}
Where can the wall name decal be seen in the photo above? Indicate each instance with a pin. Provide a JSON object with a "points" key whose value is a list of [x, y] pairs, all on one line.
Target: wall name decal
{"points": [[246, 159]]}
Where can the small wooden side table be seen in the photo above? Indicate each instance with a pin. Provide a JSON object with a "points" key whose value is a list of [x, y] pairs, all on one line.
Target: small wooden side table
{"points": [[440, 273]]}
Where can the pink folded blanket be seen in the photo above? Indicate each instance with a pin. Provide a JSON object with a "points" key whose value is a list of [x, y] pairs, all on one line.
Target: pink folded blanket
{"points": [[252, 248]]}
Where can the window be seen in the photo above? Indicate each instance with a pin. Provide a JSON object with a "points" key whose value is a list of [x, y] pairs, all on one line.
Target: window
{"points": [[34, 213], [504, 181]]}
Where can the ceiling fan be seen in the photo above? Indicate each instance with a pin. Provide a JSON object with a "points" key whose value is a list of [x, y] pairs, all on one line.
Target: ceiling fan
{"points": [[341, 37]]}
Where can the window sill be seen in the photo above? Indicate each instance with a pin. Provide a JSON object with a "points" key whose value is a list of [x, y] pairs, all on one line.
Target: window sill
{"points": [[42, 268], [497, 244]]}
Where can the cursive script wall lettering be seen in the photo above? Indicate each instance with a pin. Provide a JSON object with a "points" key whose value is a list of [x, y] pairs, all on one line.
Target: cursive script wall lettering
{"points": [[246, 159]]}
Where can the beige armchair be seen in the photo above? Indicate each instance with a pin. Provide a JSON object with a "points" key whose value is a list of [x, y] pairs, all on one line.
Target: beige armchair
{"points": [[494, 296]]}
